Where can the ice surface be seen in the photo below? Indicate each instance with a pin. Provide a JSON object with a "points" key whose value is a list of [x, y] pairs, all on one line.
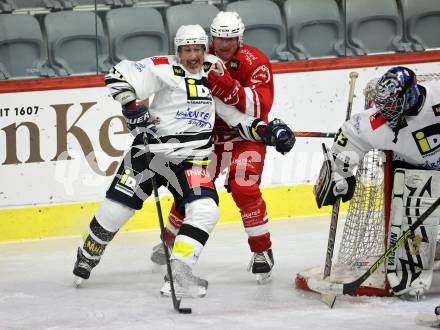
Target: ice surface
{"points": [[36, 290]]}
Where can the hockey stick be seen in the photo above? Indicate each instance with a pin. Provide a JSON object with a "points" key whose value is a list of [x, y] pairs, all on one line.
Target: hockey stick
{"points": [[337, 289], [176, 302], [314, 134], [335, 210]]}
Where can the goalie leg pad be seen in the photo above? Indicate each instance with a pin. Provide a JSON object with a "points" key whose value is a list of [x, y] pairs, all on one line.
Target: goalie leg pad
{"points": [[409, 269]]}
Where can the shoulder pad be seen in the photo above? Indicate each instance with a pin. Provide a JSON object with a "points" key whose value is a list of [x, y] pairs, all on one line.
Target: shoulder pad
{"points": [[376, 120], [157, 60]]}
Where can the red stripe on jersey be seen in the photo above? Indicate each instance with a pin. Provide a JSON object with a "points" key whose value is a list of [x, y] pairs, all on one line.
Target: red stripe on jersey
{"points": [[376, 120], [160, 60]]}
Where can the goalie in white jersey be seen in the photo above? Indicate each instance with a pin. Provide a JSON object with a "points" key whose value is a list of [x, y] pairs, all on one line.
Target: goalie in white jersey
{"points": [[179, 127], [405, 118]]}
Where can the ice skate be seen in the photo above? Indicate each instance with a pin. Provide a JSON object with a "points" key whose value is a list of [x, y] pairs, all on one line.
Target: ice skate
{"points": [[186, 285], [83, 267], [158, 255], [261, 264]]}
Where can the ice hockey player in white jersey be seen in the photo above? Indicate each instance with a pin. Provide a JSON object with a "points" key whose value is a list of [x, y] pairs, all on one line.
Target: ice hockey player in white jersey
{"points": [[405, 118], [179, 124]]}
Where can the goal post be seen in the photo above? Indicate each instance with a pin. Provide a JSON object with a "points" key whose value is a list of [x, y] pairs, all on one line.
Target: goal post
{"points": [[365, 231]]}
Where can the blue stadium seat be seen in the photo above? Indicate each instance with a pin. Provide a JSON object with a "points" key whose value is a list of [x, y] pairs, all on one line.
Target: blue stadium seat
{"points": [[314, 29], [263, 27], [178, 15], [374, 26], [136, 33], [422, 23], [22, 49], [74, 46]]}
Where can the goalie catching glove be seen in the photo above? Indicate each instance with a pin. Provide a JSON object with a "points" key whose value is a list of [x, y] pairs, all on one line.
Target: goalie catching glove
{"points": [[333, 182], [138, 120]]}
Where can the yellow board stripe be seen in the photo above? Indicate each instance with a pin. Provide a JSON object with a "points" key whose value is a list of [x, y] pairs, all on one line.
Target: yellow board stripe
{"points": [[73, 219]]}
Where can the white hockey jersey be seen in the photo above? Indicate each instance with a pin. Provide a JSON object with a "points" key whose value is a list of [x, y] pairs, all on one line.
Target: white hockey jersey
{"points": [[418, 143], [183, 108]]}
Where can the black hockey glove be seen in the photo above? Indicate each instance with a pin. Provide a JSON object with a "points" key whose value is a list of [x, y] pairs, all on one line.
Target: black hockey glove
{"points": [[138, 121], [278, 134]]}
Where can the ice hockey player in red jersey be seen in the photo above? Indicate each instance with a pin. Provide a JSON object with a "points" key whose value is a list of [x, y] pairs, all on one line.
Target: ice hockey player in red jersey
{"points": [[249, 88]]}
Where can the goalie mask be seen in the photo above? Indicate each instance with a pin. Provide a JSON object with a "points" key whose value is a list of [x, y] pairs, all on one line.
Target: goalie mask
{"points": [[190, 35], [396, 94], [227, 24]]}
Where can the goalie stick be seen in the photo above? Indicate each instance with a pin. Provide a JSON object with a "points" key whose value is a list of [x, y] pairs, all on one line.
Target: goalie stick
{"points": [[314, 134], [335, 289], [176, 302], [329, 300]]}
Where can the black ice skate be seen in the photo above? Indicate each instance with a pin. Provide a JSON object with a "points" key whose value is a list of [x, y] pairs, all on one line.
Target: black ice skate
{"points": [[186, 284], [83, 267], [261, 264]]}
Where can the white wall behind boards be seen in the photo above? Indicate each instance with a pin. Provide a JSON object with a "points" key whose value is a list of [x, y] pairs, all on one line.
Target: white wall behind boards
{"points": [[44, 136]]}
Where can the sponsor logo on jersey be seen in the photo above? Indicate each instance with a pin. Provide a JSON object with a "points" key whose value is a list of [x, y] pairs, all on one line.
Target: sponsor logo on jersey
{"points": [[195, 118], [376, 120], [198, 177], [178, 71], [261, 75], [207, 66], [234, 65], [427, 139], [160, 60], [198, 91], [128, 181], [436, 109]]}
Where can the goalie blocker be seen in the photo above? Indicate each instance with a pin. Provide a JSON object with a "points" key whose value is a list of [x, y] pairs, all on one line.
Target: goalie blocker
{"points": [[335, 180]]}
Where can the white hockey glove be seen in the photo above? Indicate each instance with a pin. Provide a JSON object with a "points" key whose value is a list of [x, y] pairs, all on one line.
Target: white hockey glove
{"points": [[333, 181]]}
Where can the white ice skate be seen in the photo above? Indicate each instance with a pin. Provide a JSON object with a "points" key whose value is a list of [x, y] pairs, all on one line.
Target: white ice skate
{"points": [[186, 285]]}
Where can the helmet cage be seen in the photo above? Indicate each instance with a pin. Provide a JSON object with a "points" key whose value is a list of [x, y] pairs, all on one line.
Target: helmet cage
{"points": [[396, 94]]}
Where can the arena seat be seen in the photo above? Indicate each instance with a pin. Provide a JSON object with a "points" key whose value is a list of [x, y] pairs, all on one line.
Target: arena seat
{"points": [[136, 33], [264, 27], [22, 50], [314, 29], [200, 13], [74, 46], [374, 26], [422, 23]]}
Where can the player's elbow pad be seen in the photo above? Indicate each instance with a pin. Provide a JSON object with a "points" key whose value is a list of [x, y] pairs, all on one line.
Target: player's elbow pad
{"points": [[119, 88]]}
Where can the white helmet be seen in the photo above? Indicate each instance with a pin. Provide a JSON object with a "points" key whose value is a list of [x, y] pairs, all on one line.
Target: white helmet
{"points": [[190, 35], [227, 24]]}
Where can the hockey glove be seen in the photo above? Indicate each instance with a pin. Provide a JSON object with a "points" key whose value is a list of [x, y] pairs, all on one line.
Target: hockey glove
{"points": [[138, 121], [277, 134], [333, 182], [227, 89]]}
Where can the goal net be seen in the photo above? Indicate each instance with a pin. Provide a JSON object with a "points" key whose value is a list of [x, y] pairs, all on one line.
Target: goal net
{"points": [[365, 230]]}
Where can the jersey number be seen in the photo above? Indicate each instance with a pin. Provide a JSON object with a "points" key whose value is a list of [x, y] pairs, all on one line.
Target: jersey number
{"points": [[341, 139]]}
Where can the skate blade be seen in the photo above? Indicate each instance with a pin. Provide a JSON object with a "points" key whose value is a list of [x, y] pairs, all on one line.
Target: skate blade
{"points": [[264, 278], [428, 320], [195, 292], [329, 299], [77, 281]]}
